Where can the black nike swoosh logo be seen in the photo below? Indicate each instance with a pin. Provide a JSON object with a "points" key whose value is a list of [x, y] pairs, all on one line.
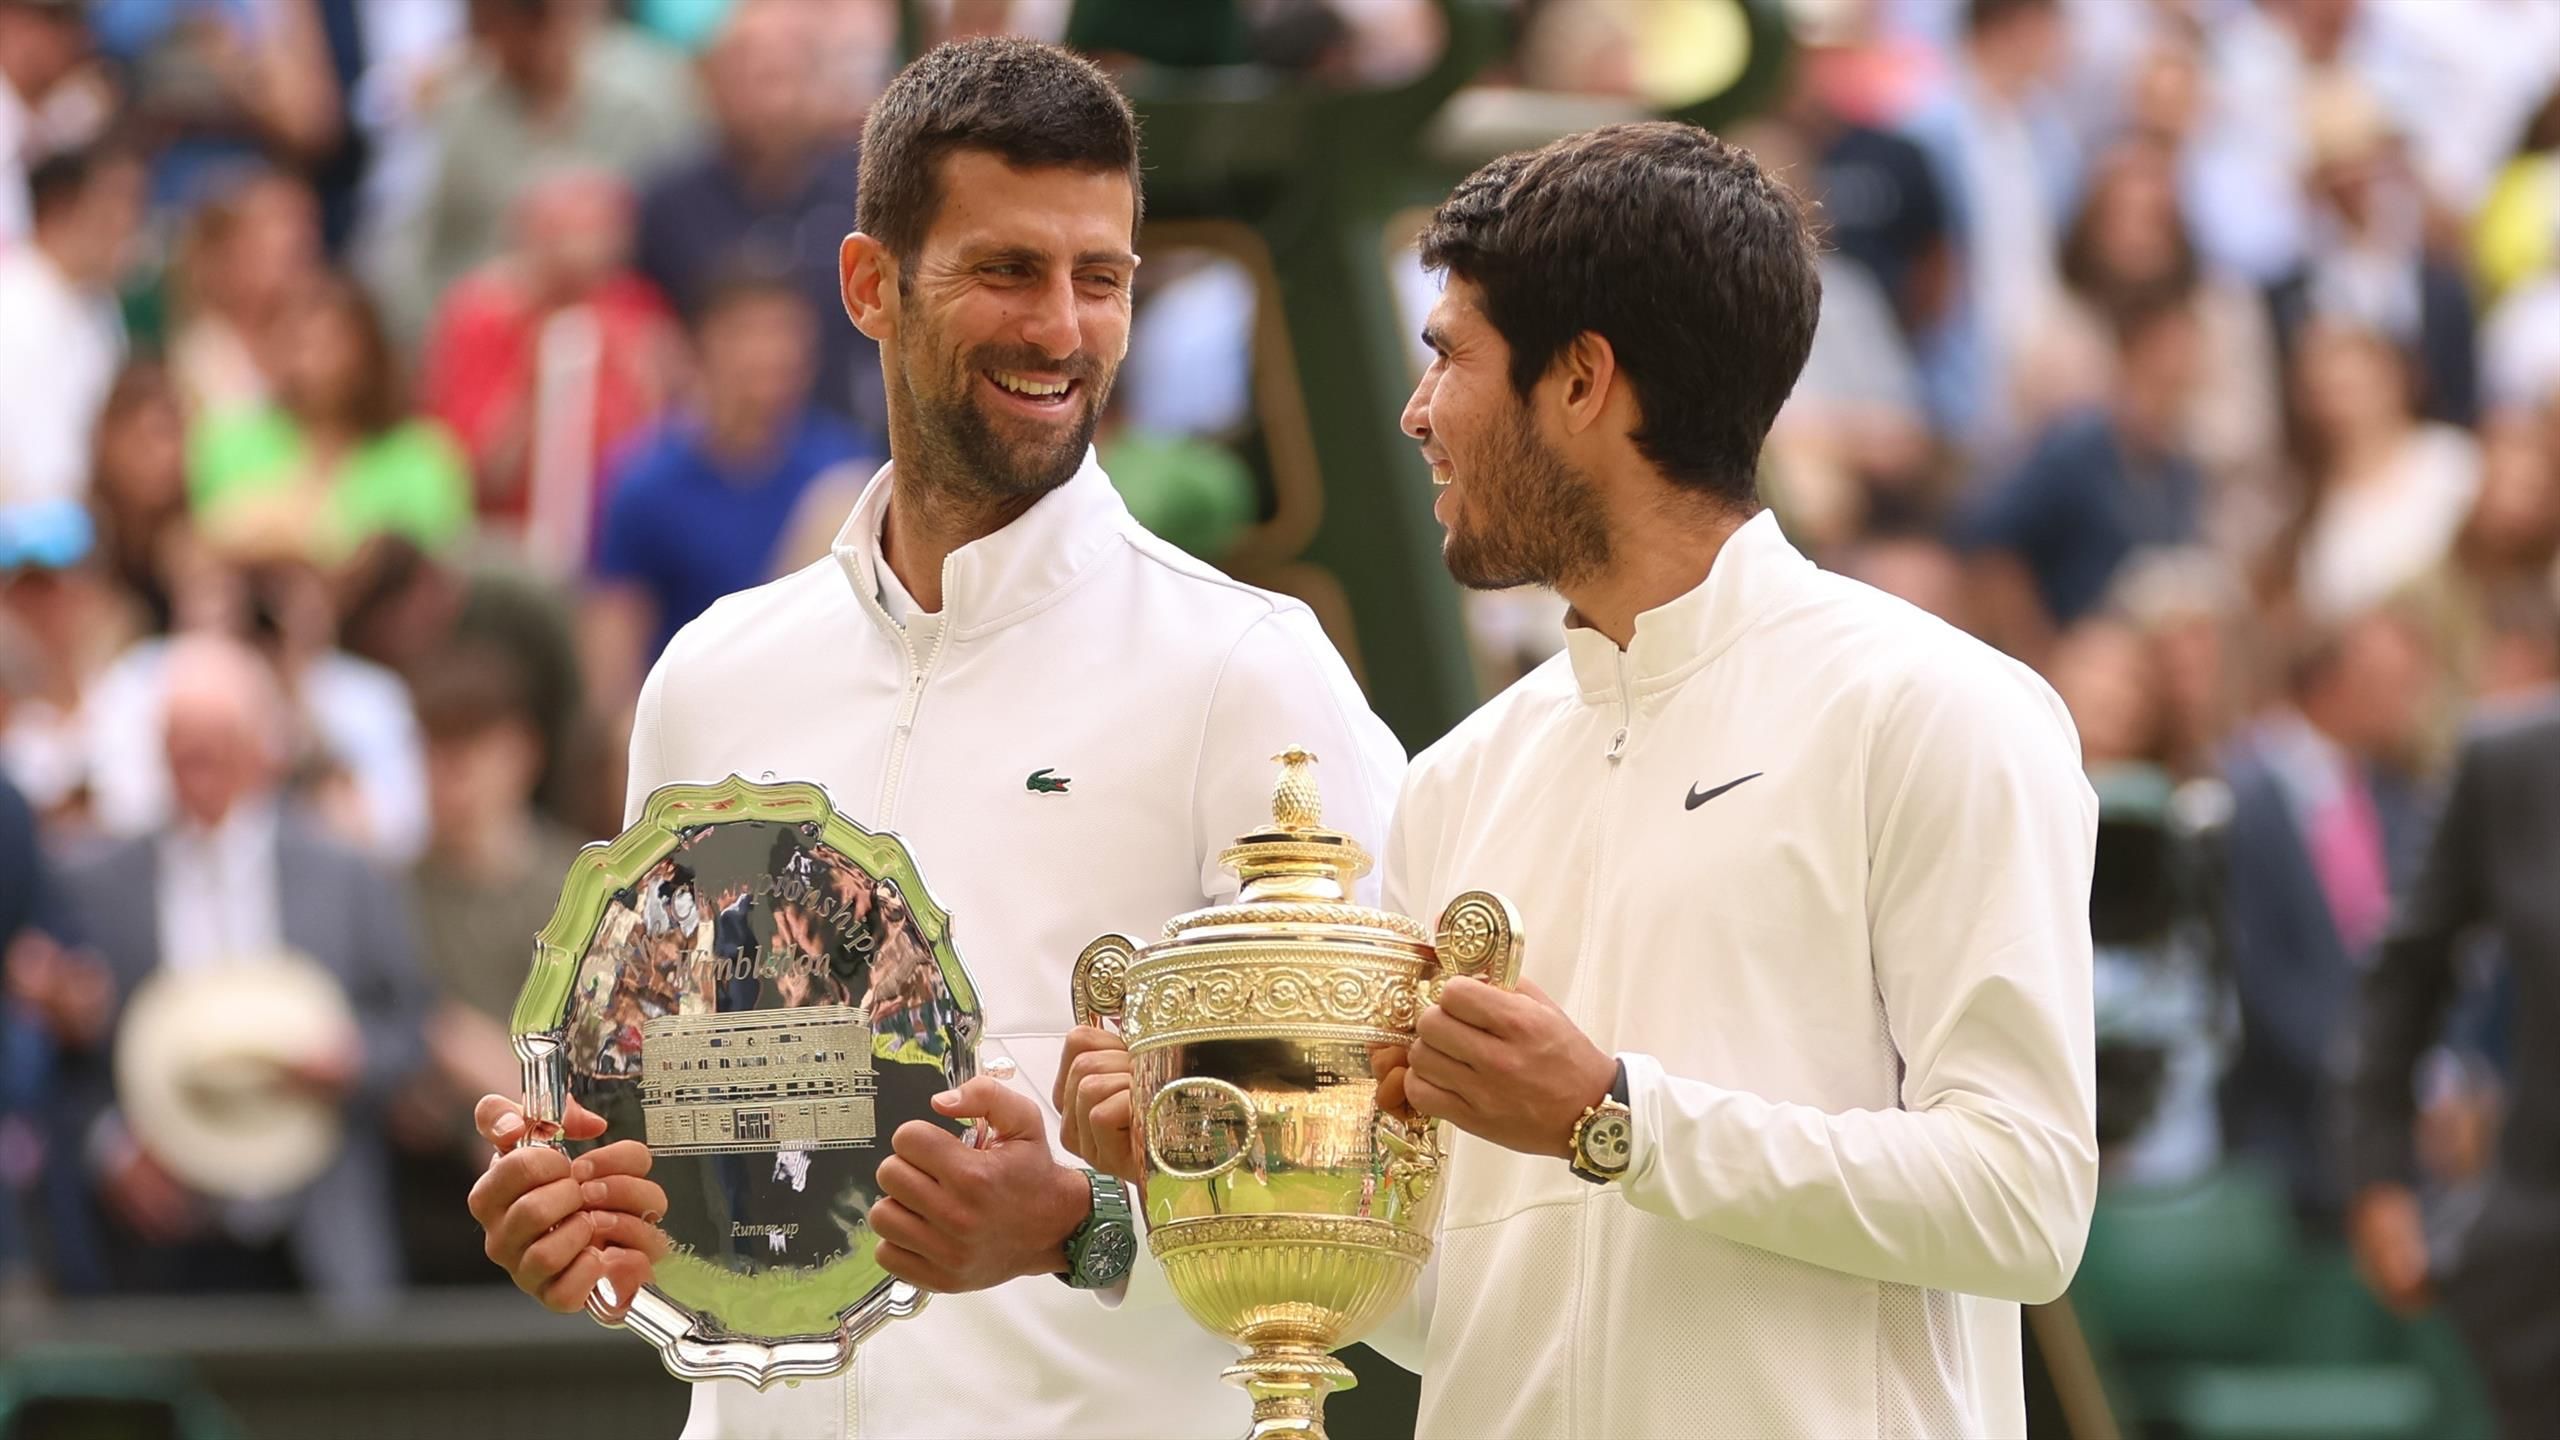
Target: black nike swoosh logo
{"points": [[1698, 797]]}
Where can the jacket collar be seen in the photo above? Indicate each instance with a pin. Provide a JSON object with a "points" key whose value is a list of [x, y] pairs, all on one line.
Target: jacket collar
{"points": [[997, 579], [1756, 570]]}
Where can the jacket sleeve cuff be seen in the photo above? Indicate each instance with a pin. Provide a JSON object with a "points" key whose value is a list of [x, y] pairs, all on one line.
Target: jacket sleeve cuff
{"points": [[1645, 1079]]}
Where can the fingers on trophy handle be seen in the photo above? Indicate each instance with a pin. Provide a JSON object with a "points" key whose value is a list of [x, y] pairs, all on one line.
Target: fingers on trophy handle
{"points": [[1478, 937], [1100, 981]]}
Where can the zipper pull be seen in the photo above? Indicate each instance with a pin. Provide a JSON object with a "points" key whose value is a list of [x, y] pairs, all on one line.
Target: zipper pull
{"points": [[1617, 744], [907, 707]]}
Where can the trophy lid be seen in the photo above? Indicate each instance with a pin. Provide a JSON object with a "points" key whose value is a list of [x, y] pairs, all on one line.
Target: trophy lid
{"points": [[1296, 857], [1295, 872]]}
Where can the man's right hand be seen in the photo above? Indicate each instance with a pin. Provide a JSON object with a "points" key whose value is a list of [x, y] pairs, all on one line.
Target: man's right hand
{"points": [[1096, 1098], [2389, 1235], [557, 1225]]}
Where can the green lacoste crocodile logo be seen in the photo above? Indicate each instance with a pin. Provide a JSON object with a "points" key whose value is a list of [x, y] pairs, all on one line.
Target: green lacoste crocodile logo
{"points": [[1044, 783]]}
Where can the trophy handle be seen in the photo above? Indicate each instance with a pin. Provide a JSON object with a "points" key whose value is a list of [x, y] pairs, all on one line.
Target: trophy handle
{"points": [[546, 1086], [1099, 984], [1479, 937]]}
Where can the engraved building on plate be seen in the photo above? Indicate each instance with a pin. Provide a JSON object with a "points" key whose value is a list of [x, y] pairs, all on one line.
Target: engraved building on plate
{"points": [[758, 1081]]}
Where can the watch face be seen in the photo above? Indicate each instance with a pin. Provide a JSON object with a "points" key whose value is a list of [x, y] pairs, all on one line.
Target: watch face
{"points": [[1609, 1143], [1110, 1250]]}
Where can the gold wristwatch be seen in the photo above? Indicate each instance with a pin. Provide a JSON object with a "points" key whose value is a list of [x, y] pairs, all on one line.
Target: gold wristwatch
{"points": [[1604, 1139]]}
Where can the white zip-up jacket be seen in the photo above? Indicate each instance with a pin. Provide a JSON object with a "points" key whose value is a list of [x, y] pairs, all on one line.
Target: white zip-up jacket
{"points": [[1073, 643], [1817, 867]]}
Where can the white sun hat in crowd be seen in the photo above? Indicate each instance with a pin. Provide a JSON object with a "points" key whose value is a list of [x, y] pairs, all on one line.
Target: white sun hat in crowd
{"points": [[203, 1062]]}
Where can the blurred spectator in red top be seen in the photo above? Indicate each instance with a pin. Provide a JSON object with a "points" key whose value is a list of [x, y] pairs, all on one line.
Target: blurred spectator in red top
{"points": [[546, 359]]}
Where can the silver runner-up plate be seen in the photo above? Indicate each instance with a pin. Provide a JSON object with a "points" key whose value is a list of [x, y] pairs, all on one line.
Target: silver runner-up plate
{"points": [[763, 991]]}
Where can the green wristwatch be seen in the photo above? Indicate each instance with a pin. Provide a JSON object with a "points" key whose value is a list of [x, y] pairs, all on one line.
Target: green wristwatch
{"points": [[1104, 1246]]}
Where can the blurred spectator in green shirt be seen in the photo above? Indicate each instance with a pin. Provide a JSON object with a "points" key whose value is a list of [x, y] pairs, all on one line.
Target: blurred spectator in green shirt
{"points": [[336, 459]]}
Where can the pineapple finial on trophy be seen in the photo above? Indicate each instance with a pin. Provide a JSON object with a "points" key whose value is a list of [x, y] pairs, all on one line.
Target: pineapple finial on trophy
{"points": [[1295, 803], [1295, 858]]}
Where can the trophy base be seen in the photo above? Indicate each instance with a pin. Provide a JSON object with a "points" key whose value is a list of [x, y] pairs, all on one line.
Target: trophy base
{"points": [[1288, 1384]]}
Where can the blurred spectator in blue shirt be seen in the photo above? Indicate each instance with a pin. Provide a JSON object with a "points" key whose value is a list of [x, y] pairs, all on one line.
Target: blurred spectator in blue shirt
{"points": [[702, 504], [2100, 484]]}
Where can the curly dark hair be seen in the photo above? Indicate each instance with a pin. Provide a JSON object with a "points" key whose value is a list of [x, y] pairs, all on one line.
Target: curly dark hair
{"points": [[1677, 248], [1029, 104]]}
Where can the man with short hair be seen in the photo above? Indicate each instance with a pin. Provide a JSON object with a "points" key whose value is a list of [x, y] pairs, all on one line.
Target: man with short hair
{"points": [[702, 505], [2326, 819], [238, 875], [1793, 1105], [1811, 1103], [2099, 486], [61, 336], [1065, 719], [41, 43]]}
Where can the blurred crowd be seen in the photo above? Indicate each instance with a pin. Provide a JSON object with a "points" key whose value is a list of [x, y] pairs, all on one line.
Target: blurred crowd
{"points": [[2205, 355], [2200, 355], [381, 384]]}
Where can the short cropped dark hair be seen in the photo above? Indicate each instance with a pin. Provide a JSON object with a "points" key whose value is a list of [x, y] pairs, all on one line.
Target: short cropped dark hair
{"points": [[1030, 105], [1677, 248]]}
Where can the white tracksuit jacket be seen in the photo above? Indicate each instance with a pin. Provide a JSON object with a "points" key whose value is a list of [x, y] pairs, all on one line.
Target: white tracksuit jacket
{"points": [[1853, 995], [1070, 642]]}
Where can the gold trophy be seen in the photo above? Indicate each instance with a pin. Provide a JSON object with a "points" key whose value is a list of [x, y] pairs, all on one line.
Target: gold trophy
{"points": [[1290, 1212]]}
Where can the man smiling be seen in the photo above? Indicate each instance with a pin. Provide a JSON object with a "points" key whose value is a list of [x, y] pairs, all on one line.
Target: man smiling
{"points": [[917, 673], [1794, 1102]]}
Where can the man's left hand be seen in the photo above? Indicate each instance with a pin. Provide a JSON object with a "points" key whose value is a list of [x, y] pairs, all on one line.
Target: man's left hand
{"points": [[955, 1217], [1506, 1066]]}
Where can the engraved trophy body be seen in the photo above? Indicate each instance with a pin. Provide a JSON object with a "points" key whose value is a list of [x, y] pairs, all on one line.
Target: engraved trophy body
{"points": [[1290, 1213], [763, 992]]}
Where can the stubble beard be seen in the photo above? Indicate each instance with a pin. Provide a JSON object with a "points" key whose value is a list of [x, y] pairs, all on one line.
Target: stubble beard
{"points": [[1539, 524], [956, 453]]}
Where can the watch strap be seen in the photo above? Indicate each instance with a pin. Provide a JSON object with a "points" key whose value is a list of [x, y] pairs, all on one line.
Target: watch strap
{"points": [[1101, 1250]]}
